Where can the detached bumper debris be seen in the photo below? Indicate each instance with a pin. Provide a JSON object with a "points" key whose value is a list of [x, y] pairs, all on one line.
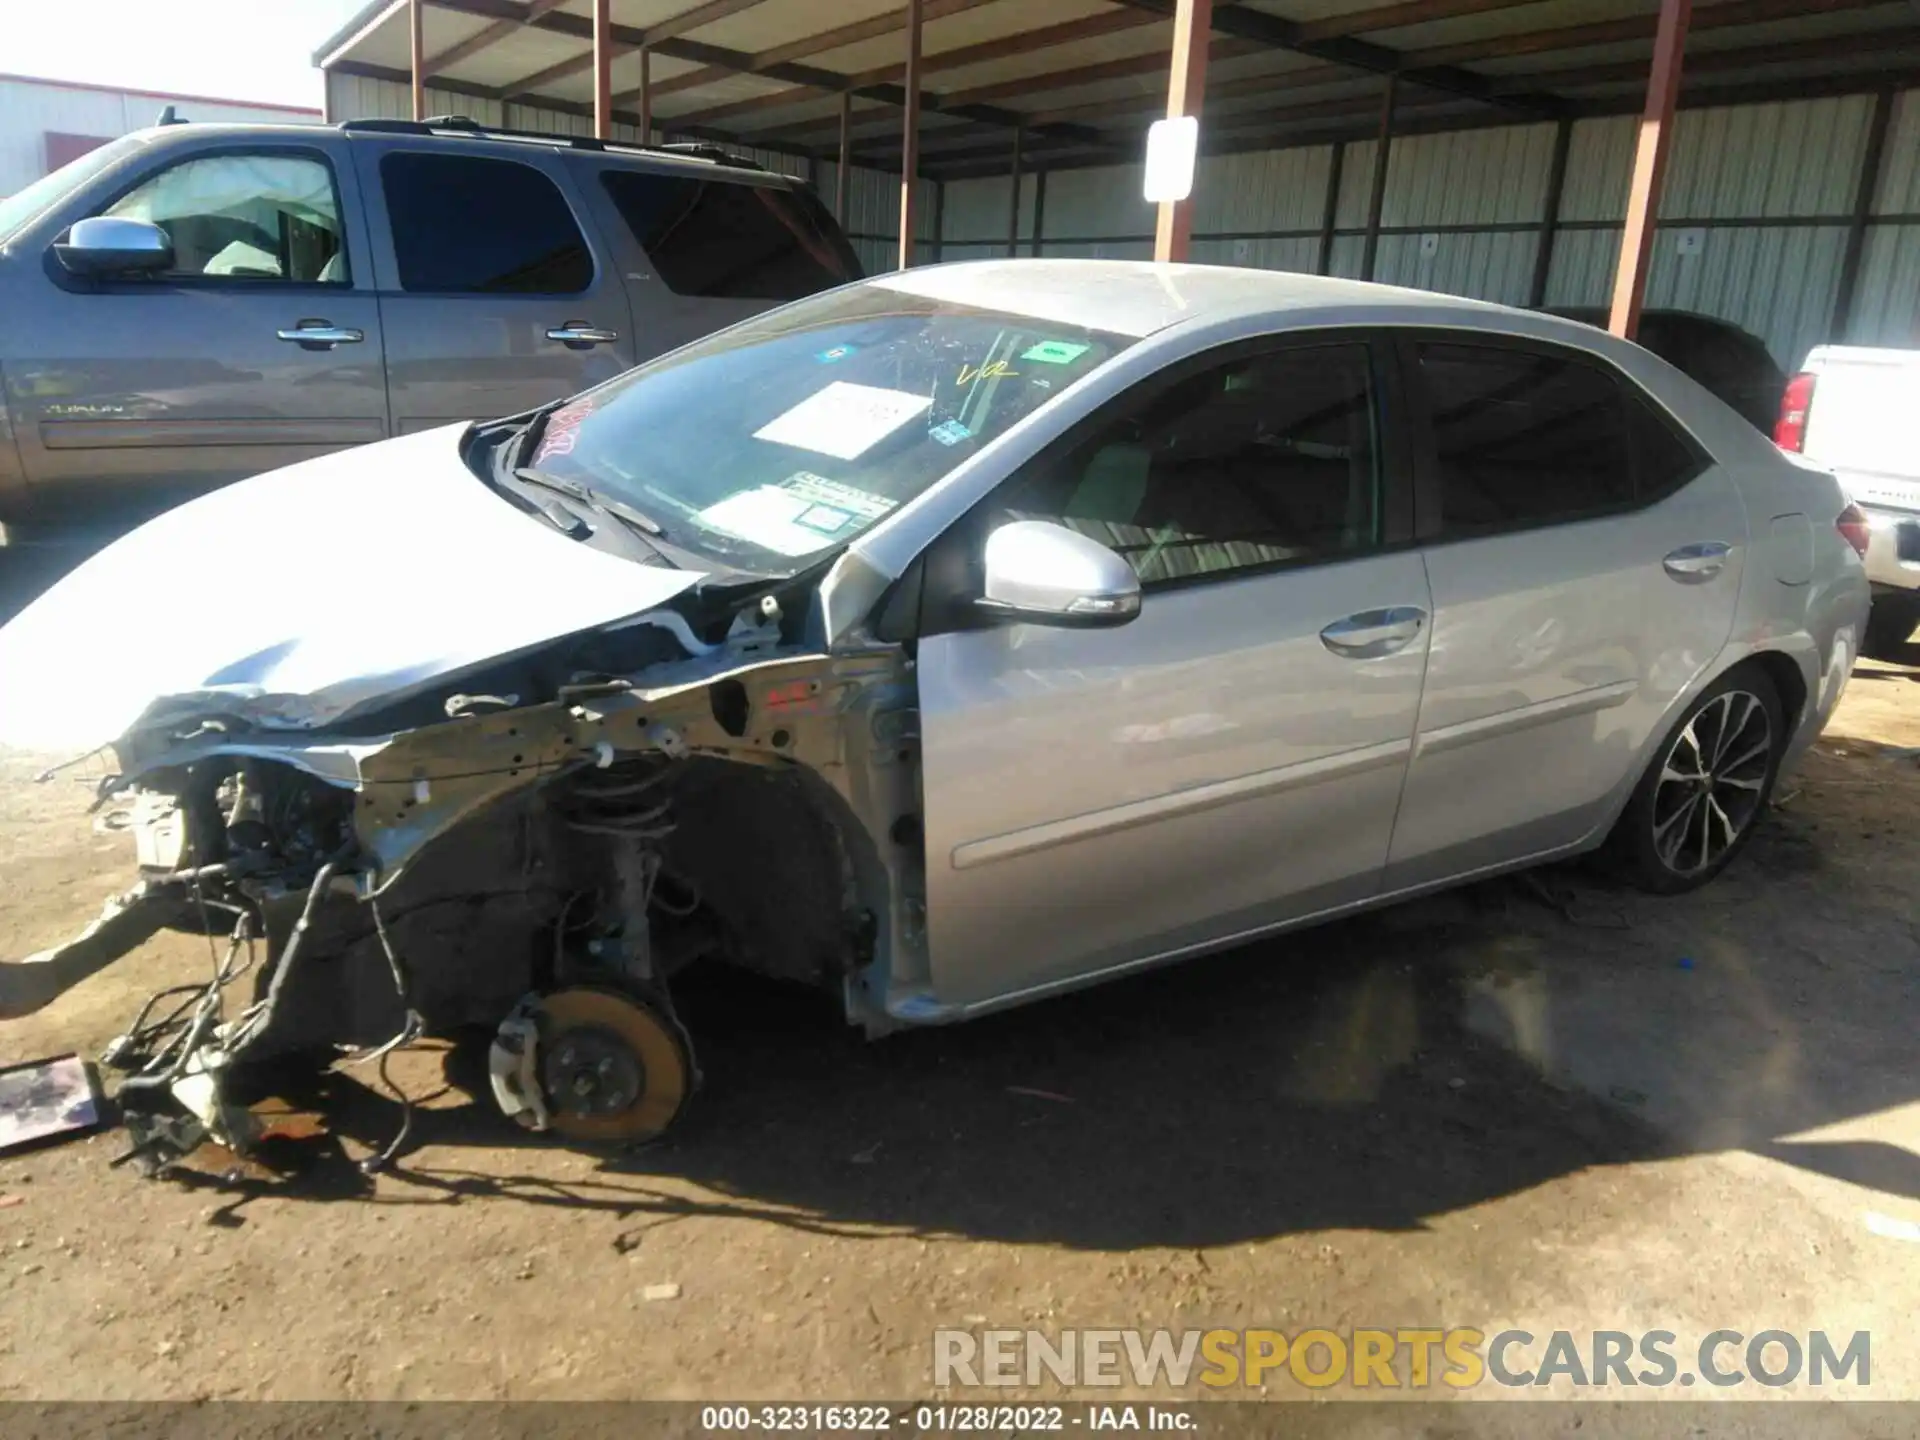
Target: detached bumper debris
{"points": [[127, 920]]}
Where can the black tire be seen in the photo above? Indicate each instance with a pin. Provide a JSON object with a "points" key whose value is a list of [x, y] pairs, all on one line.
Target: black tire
{"points": [[1889, 625], [1672, 837]]}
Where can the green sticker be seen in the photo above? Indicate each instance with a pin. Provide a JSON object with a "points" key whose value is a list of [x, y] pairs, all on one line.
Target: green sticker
{"points": [[1056, 352]]}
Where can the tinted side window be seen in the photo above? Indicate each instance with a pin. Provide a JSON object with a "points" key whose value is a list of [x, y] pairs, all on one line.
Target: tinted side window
{"points": [[1524, 438], [1261, 461], [468, 225], [1662, 460], [727, 239]]}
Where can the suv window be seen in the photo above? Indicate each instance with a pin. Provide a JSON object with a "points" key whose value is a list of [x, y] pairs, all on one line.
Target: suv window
{"points": [[1260, 461], [723, 238], [1524, 437], [245, 217], [465, 224]]}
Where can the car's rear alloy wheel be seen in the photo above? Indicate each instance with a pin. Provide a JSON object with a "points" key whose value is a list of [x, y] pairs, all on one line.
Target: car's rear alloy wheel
{"points": [[1700, 800], [1711, 781]]}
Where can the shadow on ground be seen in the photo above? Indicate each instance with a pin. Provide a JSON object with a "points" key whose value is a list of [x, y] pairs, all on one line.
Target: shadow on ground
{"points": [[1324, 1081]]}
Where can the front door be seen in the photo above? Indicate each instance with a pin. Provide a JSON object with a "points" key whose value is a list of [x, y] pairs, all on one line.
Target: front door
{"points": [[1585, 559], [1232, 758], [496, 295], [260, 346]]}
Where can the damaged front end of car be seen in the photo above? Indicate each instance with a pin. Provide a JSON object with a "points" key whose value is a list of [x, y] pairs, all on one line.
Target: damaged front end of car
{"points": [[538, 846]]}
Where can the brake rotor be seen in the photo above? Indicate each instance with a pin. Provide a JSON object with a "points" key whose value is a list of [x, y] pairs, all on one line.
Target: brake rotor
{"points": [[612, 1068]]}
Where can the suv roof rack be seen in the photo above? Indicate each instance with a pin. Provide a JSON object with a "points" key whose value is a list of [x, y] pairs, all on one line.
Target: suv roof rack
{"points": [[467, 125]]}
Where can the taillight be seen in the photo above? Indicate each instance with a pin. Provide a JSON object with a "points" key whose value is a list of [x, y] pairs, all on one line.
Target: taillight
{"points": [[1796, 403], [1853, 528]]}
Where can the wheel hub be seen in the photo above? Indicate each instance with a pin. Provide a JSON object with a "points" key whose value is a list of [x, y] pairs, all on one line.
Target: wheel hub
{"points": [[592, 1071], [611, 1068]]}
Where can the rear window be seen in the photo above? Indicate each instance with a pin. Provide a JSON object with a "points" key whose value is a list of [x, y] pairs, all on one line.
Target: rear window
{"points": [[728, 240], [464, 224]]}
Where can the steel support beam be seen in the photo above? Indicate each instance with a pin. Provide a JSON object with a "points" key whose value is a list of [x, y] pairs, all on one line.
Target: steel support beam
{"points": [[1013, 199], [603, 69], [646, 94], [842, 176], [910, 136], [416, 44], [1550, 216], [1377, 196], [1649, 168], [1865, 191], [1330, 216], [1186, 95]]}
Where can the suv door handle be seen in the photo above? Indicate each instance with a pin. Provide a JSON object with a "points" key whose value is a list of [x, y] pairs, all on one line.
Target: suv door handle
{"points": [[1369, 634], [320, 335], [576, 335], [1691, 564]]}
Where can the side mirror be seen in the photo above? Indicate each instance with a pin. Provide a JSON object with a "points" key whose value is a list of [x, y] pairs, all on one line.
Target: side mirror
{"points": [[1046, 574], [109, 245]]}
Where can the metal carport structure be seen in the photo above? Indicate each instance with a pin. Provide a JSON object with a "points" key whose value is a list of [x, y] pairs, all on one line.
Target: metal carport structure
{"points": [[1527, 104]]}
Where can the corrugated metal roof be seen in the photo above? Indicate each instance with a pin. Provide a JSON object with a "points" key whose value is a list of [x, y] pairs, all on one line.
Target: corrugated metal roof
{"points": [[773, 68]]}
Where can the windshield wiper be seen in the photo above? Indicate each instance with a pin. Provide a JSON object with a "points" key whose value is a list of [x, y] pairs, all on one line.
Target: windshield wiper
{"points": [[573, 490], [520, 445]]}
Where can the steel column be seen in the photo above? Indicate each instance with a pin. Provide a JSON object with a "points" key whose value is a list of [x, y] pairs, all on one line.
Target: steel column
{"points": [[1377, 196], [910, 137], [1013, 198], [1550, 217], [1649, 168], [646, 94], [1186, 93], [843, 171], [1039, 209], [603, 69], [1323, 262], [1864, 193], [416, 10]]}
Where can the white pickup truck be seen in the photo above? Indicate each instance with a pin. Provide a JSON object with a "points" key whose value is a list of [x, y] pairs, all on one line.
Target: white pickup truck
{"points": [[1856, 411]]}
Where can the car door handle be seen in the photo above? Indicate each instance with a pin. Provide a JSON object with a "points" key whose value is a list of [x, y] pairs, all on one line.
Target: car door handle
{"points": [[1691, 564], [320, 335], [1372, 633], [577, 336]]}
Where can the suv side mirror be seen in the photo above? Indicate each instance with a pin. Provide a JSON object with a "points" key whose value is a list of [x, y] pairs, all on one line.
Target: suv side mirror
{"points": [[108, 244], [1046, 574]]}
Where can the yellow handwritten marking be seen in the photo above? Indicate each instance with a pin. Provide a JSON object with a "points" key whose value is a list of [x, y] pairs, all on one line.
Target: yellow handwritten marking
{"points": [[997, 370]]}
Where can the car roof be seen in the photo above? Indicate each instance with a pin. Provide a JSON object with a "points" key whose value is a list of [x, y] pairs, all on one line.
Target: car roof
{"points": [[1139, 297]]}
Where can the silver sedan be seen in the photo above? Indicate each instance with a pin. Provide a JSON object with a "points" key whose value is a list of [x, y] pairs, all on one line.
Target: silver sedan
{"points": [[948, 640]]}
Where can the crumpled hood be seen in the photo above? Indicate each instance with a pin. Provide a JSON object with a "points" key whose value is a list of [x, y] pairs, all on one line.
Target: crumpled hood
{"points": [[293, 597]]}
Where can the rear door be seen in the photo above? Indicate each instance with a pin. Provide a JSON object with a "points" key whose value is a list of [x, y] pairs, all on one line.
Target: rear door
{"points": [[702, 245], [1585, 556], [496, 292], [260, 346]]}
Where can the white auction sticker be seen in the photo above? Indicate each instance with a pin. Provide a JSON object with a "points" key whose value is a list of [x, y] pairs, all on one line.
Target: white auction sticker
{"points": [[803, 513], [844, 420]]}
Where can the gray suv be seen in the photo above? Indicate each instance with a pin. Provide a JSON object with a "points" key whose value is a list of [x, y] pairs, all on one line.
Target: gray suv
{"points": [[192, 304]]}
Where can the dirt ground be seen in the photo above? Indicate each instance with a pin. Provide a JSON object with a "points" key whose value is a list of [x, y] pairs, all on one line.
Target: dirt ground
{"points": [[1545, 1104]]}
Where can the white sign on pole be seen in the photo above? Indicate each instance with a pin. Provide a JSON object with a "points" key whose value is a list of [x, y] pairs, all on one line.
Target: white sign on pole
{"points": [[1171, 146]]}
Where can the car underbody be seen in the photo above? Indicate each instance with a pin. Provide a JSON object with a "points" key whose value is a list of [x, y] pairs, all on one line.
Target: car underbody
{"points": [[540, 847]]}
